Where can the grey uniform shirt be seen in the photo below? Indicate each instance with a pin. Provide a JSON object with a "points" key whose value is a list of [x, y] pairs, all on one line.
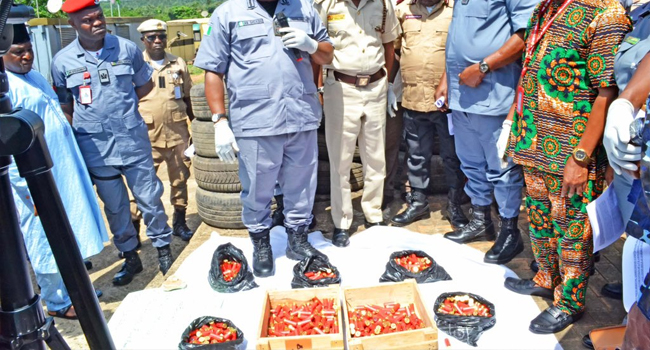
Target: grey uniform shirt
{"points": [[633, 49], [109, 130], [478, 29], [270, 92]]}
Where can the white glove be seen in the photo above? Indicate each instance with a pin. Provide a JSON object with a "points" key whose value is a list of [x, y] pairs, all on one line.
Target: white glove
{"points": [[616, 138], [224, 142], [391, 108], [502, 143], [297, 39]]}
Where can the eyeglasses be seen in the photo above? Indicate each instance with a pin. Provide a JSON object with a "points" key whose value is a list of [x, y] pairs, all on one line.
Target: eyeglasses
{"points": [[152, 38]]}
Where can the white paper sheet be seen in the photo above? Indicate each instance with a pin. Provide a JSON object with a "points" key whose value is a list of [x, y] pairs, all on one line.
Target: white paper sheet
{"points": [[636, 263], [152, 319], [605, 218]]}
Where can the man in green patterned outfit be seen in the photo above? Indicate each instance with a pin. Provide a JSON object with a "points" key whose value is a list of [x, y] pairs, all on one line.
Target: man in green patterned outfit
{"points": [[559, 114]]}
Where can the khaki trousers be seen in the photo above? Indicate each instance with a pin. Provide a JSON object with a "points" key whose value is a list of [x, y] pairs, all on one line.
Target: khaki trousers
{"points": [[355, 112], [178, 170]]}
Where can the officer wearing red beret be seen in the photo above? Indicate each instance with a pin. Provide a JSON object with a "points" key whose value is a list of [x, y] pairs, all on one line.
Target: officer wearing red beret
{"points": [[99, 79]]}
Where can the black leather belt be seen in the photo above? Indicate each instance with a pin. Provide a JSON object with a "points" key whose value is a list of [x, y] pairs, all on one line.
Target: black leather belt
{"points": [[359, 80]]}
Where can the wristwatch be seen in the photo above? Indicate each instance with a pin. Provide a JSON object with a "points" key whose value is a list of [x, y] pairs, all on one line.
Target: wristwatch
{"points": [[483, 67], [581, 157], [217, 116]]}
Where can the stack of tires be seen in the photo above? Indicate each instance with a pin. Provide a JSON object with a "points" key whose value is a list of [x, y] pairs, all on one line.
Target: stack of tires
{"points": [[217, 196], [324, 184]]}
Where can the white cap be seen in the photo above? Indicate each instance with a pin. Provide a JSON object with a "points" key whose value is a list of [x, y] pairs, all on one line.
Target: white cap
{"points": [[152, 25]]}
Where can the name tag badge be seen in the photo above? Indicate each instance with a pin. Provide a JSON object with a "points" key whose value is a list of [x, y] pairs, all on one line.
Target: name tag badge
{"points": [[85, 95], [104, 77], [465, 2], [632, 40], [177, 92]]}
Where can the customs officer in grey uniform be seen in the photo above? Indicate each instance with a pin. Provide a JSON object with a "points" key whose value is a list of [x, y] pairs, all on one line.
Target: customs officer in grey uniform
{"points": [[483, 55], [99, 79], [274, 112]]}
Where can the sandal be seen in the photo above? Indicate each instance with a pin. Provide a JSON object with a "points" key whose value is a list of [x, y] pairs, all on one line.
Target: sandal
{"points": [[62, 313]]}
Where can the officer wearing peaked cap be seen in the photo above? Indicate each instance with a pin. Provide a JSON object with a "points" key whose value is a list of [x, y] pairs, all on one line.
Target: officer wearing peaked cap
{"points": [[165, 111], [99, 79]]}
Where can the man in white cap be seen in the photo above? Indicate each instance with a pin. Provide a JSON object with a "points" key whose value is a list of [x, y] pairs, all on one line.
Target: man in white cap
{"points": [[165, 111]]}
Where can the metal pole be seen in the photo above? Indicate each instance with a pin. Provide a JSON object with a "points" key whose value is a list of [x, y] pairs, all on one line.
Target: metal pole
{"points": [[119, 12], [37, 13], [111, 9]]}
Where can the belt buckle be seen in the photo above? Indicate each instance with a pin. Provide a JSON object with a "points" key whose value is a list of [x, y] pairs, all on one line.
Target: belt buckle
{"points": [[362, 80]]}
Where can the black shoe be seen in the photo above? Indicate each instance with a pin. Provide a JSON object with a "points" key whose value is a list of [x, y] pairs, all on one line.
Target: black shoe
{"points": [[586, 342], [179, 225], [165, 259], [368, 224], [263, 265], [277, 217], [454, 213], [507, 245], [341, 237], [313, 222], [552, 320], [479, 227], [527, 287], [298, 247], [417, 209], [88, 264], [612, 290], [136, 225], [131, 266]]}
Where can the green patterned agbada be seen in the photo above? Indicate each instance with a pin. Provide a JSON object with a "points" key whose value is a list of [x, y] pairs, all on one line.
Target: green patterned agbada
{"points": [[572, 61]]}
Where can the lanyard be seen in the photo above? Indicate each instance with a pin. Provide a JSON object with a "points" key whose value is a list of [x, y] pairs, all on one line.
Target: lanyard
{"points": [[537, 34]]}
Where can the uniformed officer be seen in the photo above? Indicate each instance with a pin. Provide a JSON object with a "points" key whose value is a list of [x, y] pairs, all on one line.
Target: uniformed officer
{"points": [[99, 78], [484, 48], [265, 48], [424, 32], [165, 111], [356, 98]]}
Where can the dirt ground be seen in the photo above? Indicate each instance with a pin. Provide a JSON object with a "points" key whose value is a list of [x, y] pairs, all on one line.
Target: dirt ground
{"points": [[602, 311]]}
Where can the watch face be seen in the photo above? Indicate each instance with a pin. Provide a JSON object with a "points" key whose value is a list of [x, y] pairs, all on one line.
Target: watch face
{"points": [[483, 67], [580, 155]]}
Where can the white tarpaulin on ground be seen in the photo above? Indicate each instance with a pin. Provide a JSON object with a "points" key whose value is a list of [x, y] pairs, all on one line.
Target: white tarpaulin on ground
{"points": [[153, 319]]}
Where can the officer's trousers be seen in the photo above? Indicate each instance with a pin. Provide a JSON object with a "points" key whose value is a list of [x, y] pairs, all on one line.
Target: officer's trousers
{"points": [[178, 171], [394, 137], [355, 112], [419, 129], [291, 161], [476, 138], [147, 189]]}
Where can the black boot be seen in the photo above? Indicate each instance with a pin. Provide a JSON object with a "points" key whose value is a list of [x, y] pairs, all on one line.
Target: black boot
{"points": [[277, 217], [480, 226], [180, 226], [298, 247], [454, 213], [313, 222], [507, 245], [136, 226], [165, 259], [262, 254], [418, 208], [130, 267]]}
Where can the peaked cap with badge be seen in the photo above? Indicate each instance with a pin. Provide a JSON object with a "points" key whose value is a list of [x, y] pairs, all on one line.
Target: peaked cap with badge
{"points": [[72, 6]]}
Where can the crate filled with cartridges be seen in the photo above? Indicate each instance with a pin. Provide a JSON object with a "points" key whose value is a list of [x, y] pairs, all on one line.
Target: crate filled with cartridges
{"points": [[301, 319], [388, 316]]}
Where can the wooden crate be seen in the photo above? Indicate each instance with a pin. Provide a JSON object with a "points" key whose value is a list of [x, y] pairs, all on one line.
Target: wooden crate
{"points": [[326, 341], [405, 293]]}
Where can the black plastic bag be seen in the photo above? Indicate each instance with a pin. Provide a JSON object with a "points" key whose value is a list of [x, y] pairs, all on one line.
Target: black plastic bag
{"points": [[397, 273], [313, 264], [464, 328], [243, 281], [200, 322]]}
